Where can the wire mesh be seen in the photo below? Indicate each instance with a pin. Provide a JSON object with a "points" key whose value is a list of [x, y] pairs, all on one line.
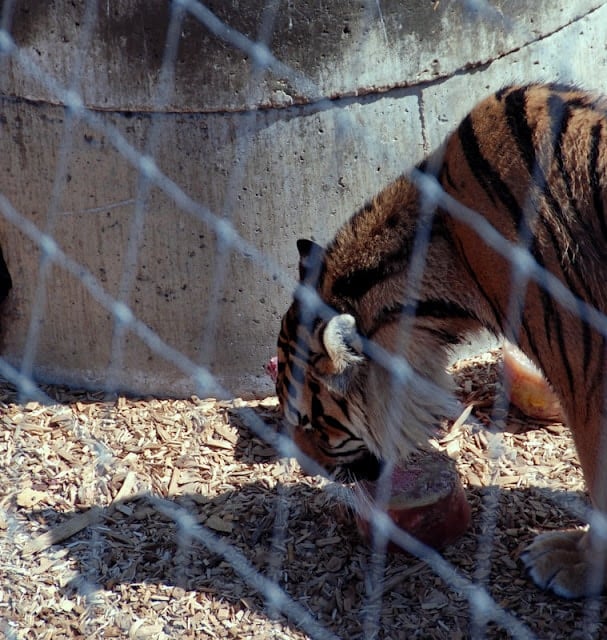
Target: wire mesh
{"points": [[290, 612]]}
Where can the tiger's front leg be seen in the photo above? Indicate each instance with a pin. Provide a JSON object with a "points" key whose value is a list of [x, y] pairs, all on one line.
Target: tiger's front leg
{"points": [[570, 563], [573, 563]]}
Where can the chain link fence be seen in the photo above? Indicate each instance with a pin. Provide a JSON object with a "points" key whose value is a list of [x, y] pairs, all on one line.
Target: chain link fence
{"points": [[140, 517]]}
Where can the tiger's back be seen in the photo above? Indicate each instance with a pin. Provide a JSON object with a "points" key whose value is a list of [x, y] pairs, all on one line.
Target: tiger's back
{"points": [[533, 162], [361, 374]]}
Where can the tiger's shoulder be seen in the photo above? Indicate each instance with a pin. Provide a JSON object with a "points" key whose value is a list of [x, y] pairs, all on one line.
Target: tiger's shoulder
{"points": [[536, 142]]}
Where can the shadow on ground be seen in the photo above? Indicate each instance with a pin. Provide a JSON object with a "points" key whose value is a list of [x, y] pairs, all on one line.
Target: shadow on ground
{"points": [[272, 532]]}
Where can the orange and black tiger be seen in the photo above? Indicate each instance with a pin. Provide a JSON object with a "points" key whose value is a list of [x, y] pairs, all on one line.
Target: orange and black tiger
{"points": [[363, 349]]}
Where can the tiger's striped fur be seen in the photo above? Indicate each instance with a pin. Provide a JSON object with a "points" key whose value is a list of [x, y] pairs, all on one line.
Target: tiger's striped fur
{"points": [[532, 161]]}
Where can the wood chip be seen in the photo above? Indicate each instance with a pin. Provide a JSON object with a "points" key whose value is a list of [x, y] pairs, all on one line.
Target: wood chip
{"points": [[455, 430], [29, 498], [434, 600], [174, 482], [65, 530], [127, 490], [219, 524], [226, 432]]}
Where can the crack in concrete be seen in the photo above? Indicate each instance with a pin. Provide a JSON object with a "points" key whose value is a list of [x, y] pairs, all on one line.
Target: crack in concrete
{"points": [[422, 118], [104, 208]]}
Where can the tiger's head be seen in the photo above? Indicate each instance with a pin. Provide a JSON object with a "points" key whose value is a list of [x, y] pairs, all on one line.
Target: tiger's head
{"points": [[320, 360], [344, 409]]}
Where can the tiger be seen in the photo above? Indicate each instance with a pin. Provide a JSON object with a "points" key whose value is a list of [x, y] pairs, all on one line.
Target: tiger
{"points": [[502, 228]]}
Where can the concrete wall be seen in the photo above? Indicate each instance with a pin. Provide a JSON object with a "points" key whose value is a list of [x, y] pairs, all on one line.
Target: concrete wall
{"points": [[370, 87]]}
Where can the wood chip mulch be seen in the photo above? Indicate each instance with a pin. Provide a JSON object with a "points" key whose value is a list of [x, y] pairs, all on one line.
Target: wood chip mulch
{"points": [[116, 514]]}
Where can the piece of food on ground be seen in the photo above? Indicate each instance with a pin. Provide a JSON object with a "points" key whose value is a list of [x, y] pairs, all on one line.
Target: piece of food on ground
{"points": [[427, 500]]}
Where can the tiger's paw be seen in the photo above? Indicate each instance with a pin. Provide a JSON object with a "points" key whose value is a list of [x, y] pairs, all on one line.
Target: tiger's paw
{"points": [[565, 563]]}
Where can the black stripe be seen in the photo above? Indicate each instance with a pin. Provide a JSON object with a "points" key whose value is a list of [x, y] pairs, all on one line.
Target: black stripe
{"points": [[344, 407], [290, 388], [333, 452], [441, 309], [591, 380], [339, 449], [560, 162], [314, 389], [445, 176], [564, 357], [334, 424], [480, 168], [493, 305], [547, 302], [586, 341], [6, 282], [531, 344], [292, 408], [557, 110], [595, 179], [300, 348], [312, 266], [431, 308], [553, 315], [479, 164], [516, 117], [444, 336], [487, 177], [559, 254], [598, 379], [283, 341], [357, 283], [559, 87], [560, 114], [567, 275], [389, 315], [501, 92], [316, 358], [316, 409]]}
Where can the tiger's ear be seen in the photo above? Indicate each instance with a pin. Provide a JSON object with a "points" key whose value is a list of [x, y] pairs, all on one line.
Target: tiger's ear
{"points": [[311, 256], [342, 343]]}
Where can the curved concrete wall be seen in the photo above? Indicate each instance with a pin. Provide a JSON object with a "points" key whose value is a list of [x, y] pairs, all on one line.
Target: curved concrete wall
{"points": [[368, 88]]}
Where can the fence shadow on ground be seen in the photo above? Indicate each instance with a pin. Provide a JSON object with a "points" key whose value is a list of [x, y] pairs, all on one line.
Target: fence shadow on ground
{"points": [[275, 530]]}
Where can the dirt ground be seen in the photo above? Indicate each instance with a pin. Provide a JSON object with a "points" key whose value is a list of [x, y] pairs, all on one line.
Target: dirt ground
{"points": [[151, 518]]}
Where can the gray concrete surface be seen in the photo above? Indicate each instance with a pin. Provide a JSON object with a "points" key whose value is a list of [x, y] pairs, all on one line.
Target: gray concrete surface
{"points": [[368, 88]]}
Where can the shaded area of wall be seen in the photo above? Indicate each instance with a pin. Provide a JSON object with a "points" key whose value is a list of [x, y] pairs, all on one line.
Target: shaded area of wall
{"points": [[255, 150], [340, 48]]}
